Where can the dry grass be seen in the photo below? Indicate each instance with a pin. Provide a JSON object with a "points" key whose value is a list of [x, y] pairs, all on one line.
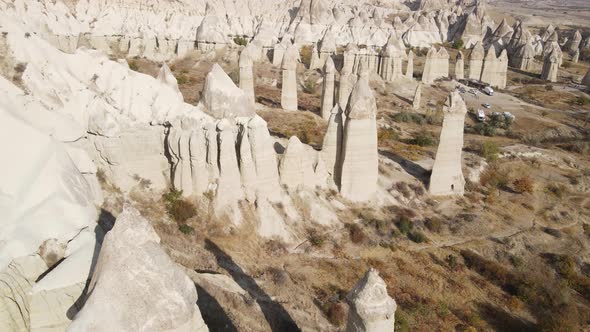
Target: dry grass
{"points": [[309, 128]]}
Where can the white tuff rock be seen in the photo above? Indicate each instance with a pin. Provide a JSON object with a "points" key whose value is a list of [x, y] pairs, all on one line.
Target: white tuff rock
{"points": [[371, 308]]}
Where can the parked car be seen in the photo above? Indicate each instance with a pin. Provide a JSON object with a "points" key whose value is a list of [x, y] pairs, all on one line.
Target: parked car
{"points": [[488, 90], [486, 105], [481, 115]]}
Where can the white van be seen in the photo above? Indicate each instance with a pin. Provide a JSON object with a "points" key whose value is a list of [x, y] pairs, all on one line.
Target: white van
{"points": [[488, 90], [481, 115]]}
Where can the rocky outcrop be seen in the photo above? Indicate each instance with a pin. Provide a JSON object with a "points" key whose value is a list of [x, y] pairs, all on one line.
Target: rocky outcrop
{"points": [[371, 308], [436, 65], [132, 270], [501, 37], [221, 98], [289, 75], [524, 57], [391, 57], [459, 66], [550, 68], [296, 168], [247, 76], [574, 43], [447, 175], [495, 68], [328, 89], [327, 47], [576, 56], [476, 62], [359, 145]]}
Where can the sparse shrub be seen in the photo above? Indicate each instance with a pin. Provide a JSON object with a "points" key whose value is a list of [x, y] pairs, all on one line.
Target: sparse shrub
{"points": [[27, 35], [337, 314], [240, 41], [417, 237], [182, 79], [279, 276], [404, 189], [582, 101], [409, 117], [20, 67], [186, 229], [452, 262], [356, 233], [484, 129], [435, 117], [385, 135], [310, 86], [423, 138], [179, 209], [549, 87], [434, 224], [101, 176], [317, 240], [305, 54], [133, 66], [405, 225], [523, 185], [489, 150], [458, 44], [558, 190], [586, 228], [494, 177], [401, 322]]}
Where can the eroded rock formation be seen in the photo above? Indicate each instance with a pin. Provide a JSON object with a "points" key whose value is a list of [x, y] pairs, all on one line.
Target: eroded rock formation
{"points": [[136, 285], [359, 145], [371, 308], [447, 174]]}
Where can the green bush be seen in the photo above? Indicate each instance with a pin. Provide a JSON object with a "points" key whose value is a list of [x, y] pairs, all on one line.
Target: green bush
{"points": [[434, 224], [179, 209], [305, 54], [186, 229], [423, 138], [310, 86], [133, 66], [241, 41], [582, 101], [489, 150], [317, 240], [417, 237], [405, 225], [409, 117], [385, 135], [458, 44], [182, 79], [401, 322]]}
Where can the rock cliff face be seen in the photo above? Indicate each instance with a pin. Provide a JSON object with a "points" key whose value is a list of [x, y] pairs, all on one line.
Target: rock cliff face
{"points": [[436, 66], [166, 30], [136, 285]]}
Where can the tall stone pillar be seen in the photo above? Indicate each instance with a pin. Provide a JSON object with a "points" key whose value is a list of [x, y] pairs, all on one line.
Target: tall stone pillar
{"points": [[247, 76], [410, 65], [328, 89], [332, 145], [429, 72], [371, 308], [447, 174], [314, 60], [576, 56], [459, 66], [328, 46], [550, 67], [359, 147], [476, 62], [289, 88], [490, 67], [417, 97]]}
